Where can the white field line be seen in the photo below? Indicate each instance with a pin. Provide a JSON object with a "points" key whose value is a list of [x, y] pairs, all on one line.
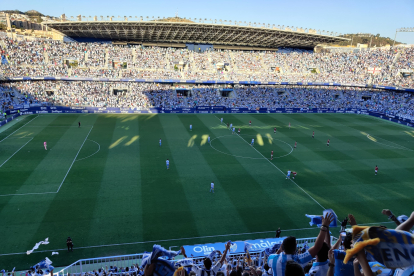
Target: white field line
{"points": [[29, 194], [74, 160], [281, 171], [19, 128], [45, 126], [15, 152], [63, 178], [92, 153], [181, 239]]}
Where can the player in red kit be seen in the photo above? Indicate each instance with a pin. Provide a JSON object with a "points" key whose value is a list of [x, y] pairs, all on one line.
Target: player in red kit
{"points": [[313, 134], [296, 143], [376, 169], [239, 131], [327, 143], [250, 123], [274, 130], [271, 155]]}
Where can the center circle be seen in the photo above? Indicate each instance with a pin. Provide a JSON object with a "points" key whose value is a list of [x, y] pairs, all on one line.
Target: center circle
{"points": [[247, 142]]}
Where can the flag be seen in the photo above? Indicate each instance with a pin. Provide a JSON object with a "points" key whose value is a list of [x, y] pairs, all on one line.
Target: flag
{"points": [[393, 248], [272, 249], [402, 218], [44, 264], [247, 246], [184, 262], [46, 241], [317, 219], [158, 251], [268, 251], [212, 254]]}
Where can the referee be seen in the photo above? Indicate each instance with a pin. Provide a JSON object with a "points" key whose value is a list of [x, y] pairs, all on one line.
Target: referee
{"points": [[69, 243]]}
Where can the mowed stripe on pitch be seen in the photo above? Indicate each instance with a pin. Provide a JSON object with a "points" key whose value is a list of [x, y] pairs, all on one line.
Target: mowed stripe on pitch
{"points": [[166, 212], [351, 171], [120, 184], [248, 181], [197, 174], [70, 213]]}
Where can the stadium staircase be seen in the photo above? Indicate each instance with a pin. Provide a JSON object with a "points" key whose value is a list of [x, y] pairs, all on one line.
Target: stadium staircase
{"points": [[46, 56], [193, 65], [264, 66], [134, 55], [167, 60], [232, 62], [397, 57], [106, 58]]}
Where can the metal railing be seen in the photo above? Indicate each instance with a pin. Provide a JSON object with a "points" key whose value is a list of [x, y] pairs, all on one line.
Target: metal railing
{"points": [[85, 265]]}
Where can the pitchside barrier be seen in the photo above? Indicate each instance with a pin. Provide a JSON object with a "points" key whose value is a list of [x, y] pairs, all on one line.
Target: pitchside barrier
{"points": [[30, 109], [85, 265]]}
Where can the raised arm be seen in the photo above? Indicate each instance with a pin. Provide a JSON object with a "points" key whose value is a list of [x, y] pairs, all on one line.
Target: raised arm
{"points": [[331, 263], [326, 221], [362, 259], [223, 257], [391, 216], [338, 242], [183, 251]]}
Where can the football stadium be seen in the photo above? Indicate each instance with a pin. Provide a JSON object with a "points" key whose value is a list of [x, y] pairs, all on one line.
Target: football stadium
{"points": [[195, 147]]}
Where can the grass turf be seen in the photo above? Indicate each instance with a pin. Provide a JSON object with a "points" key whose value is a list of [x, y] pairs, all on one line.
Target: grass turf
{"points": [[106, 183]]}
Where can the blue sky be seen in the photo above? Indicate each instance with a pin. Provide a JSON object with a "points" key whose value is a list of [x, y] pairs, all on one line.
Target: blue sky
{"points": [[350, 16]]}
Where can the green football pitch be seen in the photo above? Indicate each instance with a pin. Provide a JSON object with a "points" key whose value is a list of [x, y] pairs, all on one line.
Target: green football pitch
{"points": [[106, 184]]}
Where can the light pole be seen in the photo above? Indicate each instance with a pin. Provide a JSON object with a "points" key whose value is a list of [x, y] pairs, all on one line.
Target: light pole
{"points": [[403, 30]]}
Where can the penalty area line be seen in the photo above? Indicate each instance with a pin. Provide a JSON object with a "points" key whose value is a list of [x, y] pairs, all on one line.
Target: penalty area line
{"points": [[18, 129], [15, 153]]}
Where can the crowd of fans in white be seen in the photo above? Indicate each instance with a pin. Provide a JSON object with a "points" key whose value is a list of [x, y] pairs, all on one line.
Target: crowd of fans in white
{"points": [[50, 58], [286, 258], [148, 95]]}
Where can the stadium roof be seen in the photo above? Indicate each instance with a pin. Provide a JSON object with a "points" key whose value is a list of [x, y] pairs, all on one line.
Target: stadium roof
{"points": [[191, 32]]}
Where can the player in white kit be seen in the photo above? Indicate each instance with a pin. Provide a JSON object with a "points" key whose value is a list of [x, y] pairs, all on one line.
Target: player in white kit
{"points": [[212, 187]]}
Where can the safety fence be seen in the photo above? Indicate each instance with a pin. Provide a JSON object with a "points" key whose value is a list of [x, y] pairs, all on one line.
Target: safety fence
{"points": [[86, 265]]}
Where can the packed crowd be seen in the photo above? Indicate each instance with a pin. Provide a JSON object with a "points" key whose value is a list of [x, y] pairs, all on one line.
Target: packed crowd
{"points": [[51, 58], [351, 251], [147, 95]]}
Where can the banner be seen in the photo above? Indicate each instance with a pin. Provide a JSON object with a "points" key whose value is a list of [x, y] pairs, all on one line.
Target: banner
{"points": [[201, 250]]}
